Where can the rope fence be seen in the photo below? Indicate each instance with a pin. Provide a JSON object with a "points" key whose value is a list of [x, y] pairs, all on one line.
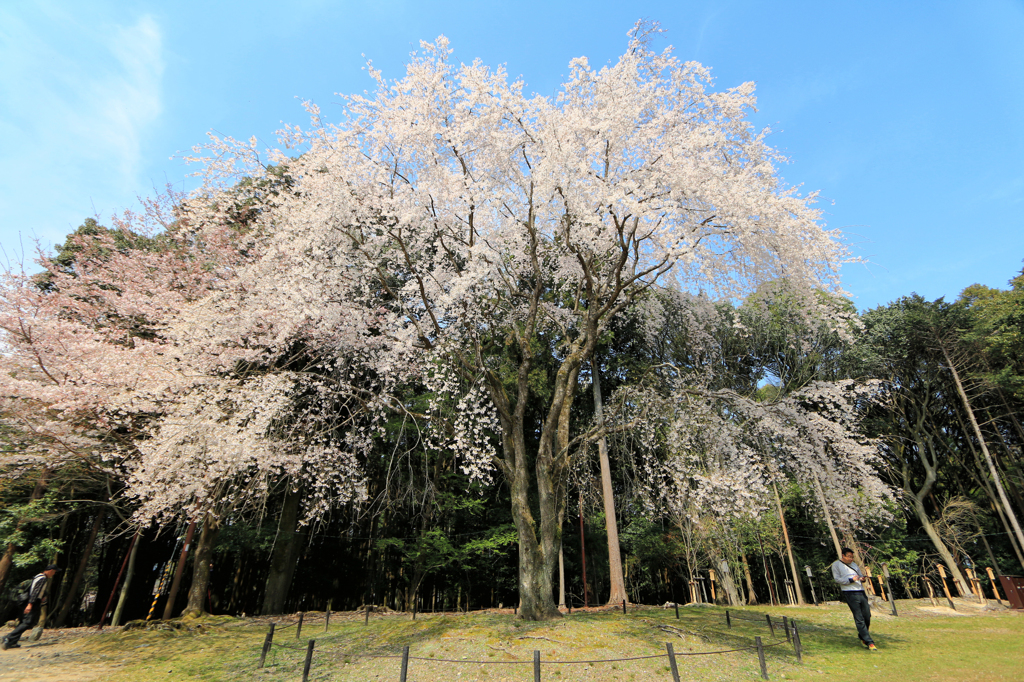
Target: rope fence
{"points": [[789, 625]]}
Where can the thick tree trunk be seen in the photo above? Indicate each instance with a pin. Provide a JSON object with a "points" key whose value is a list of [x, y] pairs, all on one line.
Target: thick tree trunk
{"points": [[725, 575], [940, 546], [789, 547], [617, 593], [123, 597], [201, 567], [285, 555], [76, 583]]}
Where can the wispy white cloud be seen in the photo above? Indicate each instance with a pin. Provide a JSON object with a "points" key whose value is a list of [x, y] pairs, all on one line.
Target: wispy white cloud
{"points": [[78, 94]]}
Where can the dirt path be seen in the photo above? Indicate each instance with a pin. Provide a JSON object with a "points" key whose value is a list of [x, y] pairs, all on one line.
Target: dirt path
{"points": [[58, 656]]}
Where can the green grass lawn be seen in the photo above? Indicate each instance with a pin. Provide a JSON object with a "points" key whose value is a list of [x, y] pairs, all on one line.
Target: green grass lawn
{"points": [[924, 643]]}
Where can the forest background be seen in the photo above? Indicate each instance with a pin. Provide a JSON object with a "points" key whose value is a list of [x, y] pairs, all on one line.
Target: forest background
{"points": [[925, 392]]}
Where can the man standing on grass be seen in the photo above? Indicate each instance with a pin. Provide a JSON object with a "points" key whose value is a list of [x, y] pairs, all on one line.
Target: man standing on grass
{"points": [[30, 615], [850, 580]]}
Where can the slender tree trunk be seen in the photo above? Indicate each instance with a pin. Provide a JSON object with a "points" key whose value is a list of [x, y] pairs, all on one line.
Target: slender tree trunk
{"points": [[617, 593], [984, 449], [789, 547], [172, 596], [725, 576], [828, 516], [201, 566], [285, 555], [76, 583], [561, 577], [751, 595], [123, 597]]}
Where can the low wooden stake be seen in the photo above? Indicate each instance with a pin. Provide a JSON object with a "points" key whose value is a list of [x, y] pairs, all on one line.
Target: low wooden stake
{"points": [[770, 626], [728, 621], [676, 604], [672, 662], [298, 630], [327, 620], [536, 666], [785, 626], [798, 646], [760, 658], [367, 620], [623, 607], [266, 645], [405, 663], [309, 660]]}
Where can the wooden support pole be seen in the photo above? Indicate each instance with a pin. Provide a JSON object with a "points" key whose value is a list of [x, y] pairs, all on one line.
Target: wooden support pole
{"points": [[931, 592], [760, 658], [711, 575], [888, 588], [405, 663], [945, 587], [995, 590], [672, 662], [266, 645], [309, 660]]}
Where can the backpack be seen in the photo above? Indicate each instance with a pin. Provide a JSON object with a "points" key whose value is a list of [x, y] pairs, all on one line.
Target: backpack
{"points": [[22, 590]]}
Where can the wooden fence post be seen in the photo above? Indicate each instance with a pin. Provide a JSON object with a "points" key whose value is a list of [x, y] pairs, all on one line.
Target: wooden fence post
{"points": [[405, 663], [760, 658], [367, 621], [327, 620], [770, 626], [672, 662], [266, 645], [728, 621], [785, 626], [676, 604], [298, 630], [309, 660], [536, 666], [798, 646]]}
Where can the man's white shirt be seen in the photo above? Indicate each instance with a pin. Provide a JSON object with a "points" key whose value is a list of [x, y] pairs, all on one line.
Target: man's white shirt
{"points": [[844, 573]]}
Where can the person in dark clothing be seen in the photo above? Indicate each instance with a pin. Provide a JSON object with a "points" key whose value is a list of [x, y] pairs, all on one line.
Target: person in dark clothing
{"points": [[30, 614], [850, 579]]}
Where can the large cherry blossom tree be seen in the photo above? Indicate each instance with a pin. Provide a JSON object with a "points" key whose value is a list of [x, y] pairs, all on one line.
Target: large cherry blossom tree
{"points": [[452, 230]]}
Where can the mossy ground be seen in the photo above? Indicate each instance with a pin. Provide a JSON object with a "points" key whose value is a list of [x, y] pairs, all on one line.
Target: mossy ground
{"points": [[924, 643]]}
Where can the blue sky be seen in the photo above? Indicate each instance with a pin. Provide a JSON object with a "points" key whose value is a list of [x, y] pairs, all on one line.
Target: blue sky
{"points": [[907, 116]]}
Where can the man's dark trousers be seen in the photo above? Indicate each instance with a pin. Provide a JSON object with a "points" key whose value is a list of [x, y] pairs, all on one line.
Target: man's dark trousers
{"points": [[858, 603], [28, 621]]}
